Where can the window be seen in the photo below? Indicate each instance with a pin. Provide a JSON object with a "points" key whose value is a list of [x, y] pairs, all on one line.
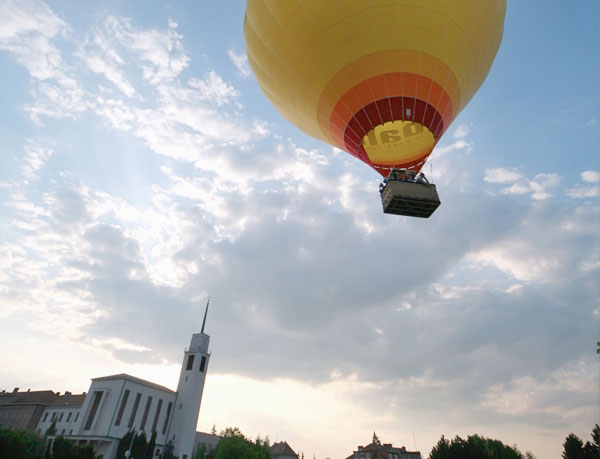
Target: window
{"points": [[157, 414], [202, 363], [53, 418], [60, 417], [190, 362], [157, 452], [166, 423], [63, 432], [45, 417], [71, 432], [69, 416], [76, 417], [93, 409], [180, 406], [136, 403], [122, 408], [146, 410]]}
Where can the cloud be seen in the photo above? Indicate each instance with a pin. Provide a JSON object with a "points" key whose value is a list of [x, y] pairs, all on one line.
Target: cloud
{"points": [[584, 191], [590, 176], [27, 32], [538, 187], [241, 63], [501, 175], [214, 89], [35, 157]]}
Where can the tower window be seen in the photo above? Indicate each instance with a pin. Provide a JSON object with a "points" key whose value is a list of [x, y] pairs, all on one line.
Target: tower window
{"points": [[146, 411], [136, 403], [190, 362], [202, 363], [45, 417], [93, 410], [122, 407], [166, 423], [158, 407]]}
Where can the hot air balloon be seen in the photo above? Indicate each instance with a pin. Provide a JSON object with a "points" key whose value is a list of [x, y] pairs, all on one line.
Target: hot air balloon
{"points": [[381, 79]]}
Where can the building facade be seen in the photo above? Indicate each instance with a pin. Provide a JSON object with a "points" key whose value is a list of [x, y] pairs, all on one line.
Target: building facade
{"points": [[385, 451], [117, 404], [64, 412], [281, 450], [23, 410]]}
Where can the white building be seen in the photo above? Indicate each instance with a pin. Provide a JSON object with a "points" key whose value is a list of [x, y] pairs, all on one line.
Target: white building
{"points": [[120, 403]]}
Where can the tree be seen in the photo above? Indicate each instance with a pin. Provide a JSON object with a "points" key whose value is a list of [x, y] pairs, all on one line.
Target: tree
{"points": [[52, 429], [233, 443], [67, 449], [149, 454], [572, 447], [376, 439], [168, 451], [138, 448], [19, 444], [474, 446], [124, 443]]}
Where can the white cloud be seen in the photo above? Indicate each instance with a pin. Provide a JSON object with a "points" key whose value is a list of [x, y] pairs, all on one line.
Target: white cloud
{"points": [[501, 175], [590, 176], [214, 89], [583, 191], [162, 54], [241, 63], [35, 157], [461, 131], [538, 187]]}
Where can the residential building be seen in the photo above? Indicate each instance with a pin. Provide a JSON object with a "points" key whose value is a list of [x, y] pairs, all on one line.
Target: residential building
{"points": [[210, 441], [385, 451], [23, 410], [64, 412], [282, 450]]}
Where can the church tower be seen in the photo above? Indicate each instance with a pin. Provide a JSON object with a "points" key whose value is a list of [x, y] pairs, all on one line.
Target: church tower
{"points": [[189, 394]]}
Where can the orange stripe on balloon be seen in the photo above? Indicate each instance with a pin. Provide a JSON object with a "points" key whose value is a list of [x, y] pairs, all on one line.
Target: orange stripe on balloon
{"points": [[381, 87], [384, 63]]}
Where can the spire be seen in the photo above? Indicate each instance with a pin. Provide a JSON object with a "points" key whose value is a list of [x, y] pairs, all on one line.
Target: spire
{"points": [[205, 313]]}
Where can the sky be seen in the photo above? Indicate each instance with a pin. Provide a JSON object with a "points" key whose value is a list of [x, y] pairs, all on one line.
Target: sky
{"points": [[142, 171]]}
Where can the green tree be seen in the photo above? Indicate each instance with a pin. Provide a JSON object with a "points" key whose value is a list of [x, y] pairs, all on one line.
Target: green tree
{"points": [[52, 429], [139, 446], [233, 443], [67, 449], [592, 450], [19, 444], [474, 446], [376, 439], [168, 451], [201, 453], [573, 447], [124, 444], [149, 454]]}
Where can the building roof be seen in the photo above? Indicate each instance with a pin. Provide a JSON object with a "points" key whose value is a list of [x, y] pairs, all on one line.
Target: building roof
{"points": [[135, 380], [384, 451], [68, 399], [282, 448], [36, 397]]}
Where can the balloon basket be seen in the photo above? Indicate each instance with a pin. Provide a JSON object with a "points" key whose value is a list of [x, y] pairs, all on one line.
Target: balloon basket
{"points": [[409, 199]]}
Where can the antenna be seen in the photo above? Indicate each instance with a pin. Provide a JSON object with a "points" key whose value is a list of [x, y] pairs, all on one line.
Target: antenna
{"points": [[205, 313]]}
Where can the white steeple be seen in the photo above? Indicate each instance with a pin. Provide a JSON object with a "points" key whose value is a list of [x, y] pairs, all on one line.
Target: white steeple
{"points": [[189, 394]]}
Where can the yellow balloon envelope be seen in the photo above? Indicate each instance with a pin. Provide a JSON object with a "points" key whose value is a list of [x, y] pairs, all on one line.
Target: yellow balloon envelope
{"points": [[380, 79]]}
